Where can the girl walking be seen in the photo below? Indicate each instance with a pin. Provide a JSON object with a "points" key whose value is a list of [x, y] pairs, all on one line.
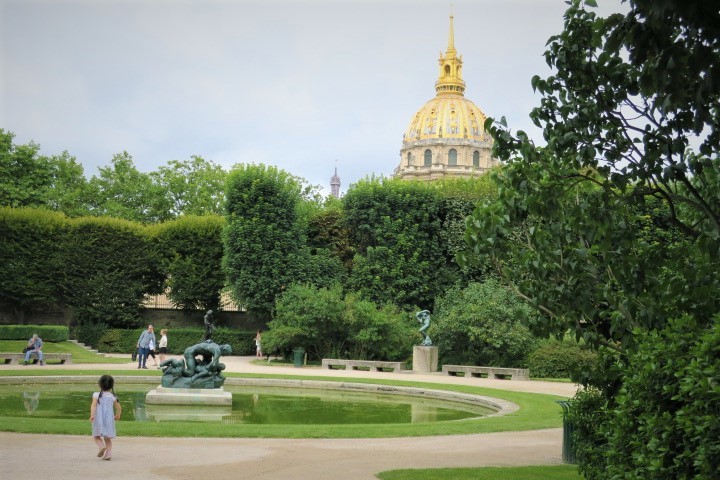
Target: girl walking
{"points": [[162, 346], [104, 410]]}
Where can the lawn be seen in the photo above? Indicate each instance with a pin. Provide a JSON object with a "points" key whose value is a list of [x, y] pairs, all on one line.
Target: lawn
{"points": [[79, 354], [540, 472]]}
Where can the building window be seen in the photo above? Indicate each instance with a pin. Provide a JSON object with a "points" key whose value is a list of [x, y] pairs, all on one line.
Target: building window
{"points": [[428, 157], [409, 159], [476, 159], [452, 157]]}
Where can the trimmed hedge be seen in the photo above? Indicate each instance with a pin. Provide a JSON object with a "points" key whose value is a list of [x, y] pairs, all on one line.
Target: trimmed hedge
{"points": [[49, 333], [554, 359], [125, 341]]}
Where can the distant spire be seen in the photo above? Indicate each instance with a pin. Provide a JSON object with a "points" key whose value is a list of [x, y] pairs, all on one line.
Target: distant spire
{"points": [[335, 184]]}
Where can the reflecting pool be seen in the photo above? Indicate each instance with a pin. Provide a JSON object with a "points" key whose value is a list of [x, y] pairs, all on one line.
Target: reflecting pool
{"points": [[251, 405]]}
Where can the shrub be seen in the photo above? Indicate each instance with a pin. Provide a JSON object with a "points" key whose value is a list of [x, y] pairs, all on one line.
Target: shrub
{"points": [[328, 325], [482, 325], [555, 359], [90, 333], [666, 424], [49, 333], [589, 418]]}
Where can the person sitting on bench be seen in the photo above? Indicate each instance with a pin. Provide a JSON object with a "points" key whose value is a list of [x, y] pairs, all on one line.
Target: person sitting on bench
{"points": [[34, 347]]}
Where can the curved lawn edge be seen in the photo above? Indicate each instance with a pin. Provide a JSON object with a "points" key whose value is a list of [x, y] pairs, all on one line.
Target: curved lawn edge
{"points": [[535, 412]]}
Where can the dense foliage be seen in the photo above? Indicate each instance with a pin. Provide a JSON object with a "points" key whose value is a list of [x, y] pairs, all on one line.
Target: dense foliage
{"points": [[328, 324], [264, 239], [191, 252], [31, 256], [110, 265], [579, 224], [395, 227], [482, 324]]}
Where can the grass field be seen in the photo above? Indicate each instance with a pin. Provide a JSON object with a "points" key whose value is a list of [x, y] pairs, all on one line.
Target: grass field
{"points": [[540, 472], [79, 354]]}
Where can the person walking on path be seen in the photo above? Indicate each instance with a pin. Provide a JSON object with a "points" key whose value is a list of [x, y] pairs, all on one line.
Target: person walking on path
{"points": [[104, 410], [162, 346], [34, 347], [151, 352], [258, 346], [143, 346]]}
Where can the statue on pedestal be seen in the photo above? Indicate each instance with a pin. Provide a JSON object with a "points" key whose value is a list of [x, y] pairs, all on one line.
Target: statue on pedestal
{"points": [[209, 327], [194, 372], [424, 318]]}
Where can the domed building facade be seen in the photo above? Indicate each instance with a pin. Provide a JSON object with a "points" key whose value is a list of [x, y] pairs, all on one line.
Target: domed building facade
{"points": [[446, 137]]}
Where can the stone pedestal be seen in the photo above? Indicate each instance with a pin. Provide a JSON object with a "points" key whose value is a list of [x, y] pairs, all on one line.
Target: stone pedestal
{"points": [[192, 413], [425, 359], [188, 396]]}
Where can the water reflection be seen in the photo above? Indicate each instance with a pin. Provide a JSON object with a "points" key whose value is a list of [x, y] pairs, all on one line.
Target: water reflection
{"points": [[31, 401], [251, 405]]}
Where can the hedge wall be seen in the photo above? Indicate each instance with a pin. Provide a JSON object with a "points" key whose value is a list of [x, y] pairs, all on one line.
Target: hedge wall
{"points": [[49, 333], [125, 341]]}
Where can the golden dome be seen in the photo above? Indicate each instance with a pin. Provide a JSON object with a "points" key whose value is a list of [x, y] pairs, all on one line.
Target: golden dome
{"points": [[446, 137], [447, 116]]}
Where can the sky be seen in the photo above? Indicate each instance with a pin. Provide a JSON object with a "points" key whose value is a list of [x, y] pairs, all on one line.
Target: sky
{"points": [[304, 85]]}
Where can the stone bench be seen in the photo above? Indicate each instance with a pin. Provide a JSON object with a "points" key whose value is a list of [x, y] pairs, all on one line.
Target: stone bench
{"points": [[378, 366], [11, 358], [489, 372]]}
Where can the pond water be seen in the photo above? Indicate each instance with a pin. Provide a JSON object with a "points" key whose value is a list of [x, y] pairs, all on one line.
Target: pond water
{"points": [[251, 405]]}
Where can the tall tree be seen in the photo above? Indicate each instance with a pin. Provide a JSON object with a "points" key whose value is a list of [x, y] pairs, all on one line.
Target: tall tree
{"points": [[265, 243], [24, 174], [193, 187], [122, 191], [68, 190]]}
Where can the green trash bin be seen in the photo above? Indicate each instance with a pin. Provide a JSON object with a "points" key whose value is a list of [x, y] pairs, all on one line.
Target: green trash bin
{"points": [[299, 357], [568, 447]]}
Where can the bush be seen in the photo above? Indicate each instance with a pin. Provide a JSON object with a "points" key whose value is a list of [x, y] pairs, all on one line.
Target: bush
{"points": [[589, 417], [49, 333], [328, 325], [566, 359], [482, 325], [666, 424], [90, 333]]}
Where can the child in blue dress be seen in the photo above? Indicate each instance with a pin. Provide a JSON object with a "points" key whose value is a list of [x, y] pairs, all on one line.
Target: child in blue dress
{"points": [[104, 410]]}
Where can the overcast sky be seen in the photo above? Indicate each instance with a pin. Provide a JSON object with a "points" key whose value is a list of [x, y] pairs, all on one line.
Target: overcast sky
{"points": [[303, 85]]}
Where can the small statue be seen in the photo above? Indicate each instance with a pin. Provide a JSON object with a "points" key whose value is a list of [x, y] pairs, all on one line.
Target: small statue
{"points": [[424, 318], [209, 327]]}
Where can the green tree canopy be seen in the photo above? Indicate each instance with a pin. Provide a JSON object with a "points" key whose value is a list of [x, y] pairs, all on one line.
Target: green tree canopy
{"points": [[191, 250], [264, 240], [191, 187]]}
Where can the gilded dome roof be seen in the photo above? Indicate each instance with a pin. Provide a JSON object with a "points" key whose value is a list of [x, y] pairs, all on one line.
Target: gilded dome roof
{"points": [[449, 114], [446, 116]]}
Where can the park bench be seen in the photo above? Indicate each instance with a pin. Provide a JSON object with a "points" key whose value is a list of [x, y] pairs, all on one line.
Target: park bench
{"points": [[487, 372], [13, 357], [378, 366]]}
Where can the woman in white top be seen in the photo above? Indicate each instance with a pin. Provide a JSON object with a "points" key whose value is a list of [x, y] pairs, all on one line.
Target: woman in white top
{"points": [[162, 346]]}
